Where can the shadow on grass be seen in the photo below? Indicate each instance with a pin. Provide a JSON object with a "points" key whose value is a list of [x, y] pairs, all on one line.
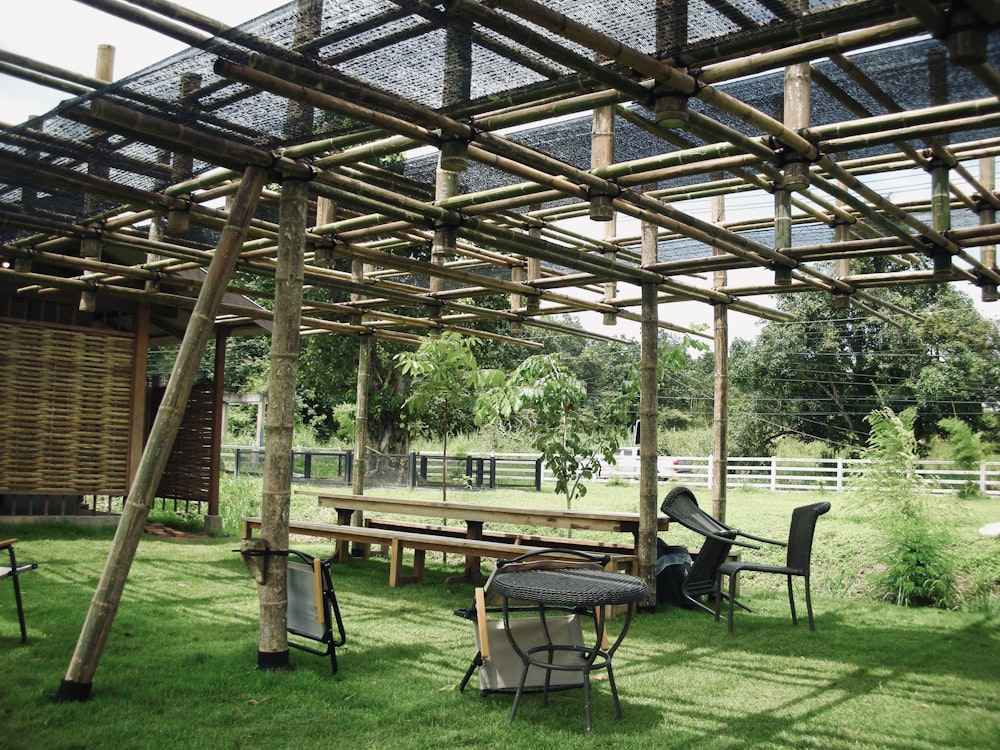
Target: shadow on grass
{"points": [[179, 667]]}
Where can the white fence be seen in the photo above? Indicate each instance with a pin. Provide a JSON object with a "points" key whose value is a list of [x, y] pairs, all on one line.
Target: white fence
{"points": [[508, 469], [833, 474]]}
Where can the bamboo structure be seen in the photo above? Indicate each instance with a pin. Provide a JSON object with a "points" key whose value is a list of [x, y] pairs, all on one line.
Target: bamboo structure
{"points": [[483, 167], [648, 390], [77, 683]]}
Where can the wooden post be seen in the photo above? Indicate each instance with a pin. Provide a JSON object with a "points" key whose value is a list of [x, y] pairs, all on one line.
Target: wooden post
{"points": [[648, 386], [77, 684], [365, 344], [602, 154], [361, 420], [670, 109], [137, 427], [940, 176], [988, 215], [181, 164], [272, 651], [453, 157], [92, 248], [213, 519], [534, 268], [720, 407]]}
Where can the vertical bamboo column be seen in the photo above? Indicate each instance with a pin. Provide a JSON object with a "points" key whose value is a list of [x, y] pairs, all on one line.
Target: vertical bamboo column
{"points": [[361, 401], [602, 154], [670, 109], [988, 215], [272, 652], [77, 684], [289, 274], [454, 155], [361, 420], [794, 170], [648, 385], [842, 233], [213, 520], [534, 268], [140, 360], [516, 300], [91, 248], [720, 406], [940, 177], [182, 165]]}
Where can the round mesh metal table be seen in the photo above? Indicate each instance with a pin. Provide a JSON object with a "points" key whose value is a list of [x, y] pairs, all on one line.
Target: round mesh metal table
{"points": [[575, 588]]}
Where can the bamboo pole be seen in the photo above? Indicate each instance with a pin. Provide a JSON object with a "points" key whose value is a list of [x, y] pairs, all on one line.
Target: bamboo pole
{"points": [[77, 684], [272, 651], [601, 209], [720, 404], [648, 390], [987, 216]]}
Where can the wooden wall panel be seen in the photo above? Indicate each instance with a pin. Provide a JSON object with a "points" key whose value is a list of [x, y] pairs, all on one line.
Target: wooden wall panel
{"points": [[64, 409]]}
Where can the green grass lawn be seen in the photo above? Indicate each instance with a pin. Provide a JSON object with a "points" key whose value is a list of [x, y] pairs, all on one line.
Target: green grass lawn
{"points": [[179, 671]]}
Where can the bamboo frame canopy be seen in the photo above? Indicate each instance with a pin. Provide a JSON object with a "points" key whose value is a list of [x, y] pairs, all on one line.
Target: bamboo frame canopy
{"points": [[453, 153]]}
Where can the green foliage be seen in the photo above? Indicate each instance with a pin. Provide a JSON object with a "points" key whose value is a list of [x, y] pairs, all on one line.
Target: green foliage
{"points": [[918, 572], [889, 481], [344, 417], [966, 451], [569, 433], [444, 374], [820, 375]]}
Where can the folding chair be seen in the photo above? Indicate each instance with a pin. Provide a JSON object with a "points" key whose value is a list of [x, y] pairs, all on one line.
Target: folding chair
{"points": [[499, 665], [312, 607], [14, 571]]}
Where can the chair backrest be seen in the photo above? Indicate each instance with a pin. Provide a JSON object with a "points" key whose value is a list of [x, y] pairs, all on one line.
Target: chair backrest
{"points": [[800, 535], [681, 506], [704, 576]]}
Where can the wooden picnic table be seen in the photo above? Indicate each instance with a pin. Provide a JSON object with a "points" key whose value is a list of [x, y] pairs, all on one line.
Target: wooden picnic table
{"points": [[475, 515]]}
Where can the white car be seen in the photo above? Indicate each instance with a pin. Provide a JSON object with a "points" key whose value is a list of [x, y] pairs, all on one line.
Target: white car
{"points": [[626, 465]]}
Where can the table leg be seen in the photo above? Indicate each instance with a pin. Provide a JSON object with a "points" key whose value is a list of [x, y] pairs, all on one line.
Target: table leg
{"points": [[472, 572], [342, 548]]}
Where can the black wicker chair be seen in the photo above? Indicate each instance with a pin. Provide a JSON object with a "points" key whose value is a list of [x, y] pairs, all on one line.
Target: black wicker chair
{"points": [[681, 506], [797, 559], [703, 580], [14, 571]]}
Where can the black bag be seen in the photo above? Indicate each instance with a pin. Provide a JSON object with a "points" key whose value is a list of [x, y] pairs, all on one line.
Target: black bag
{"points": [[673, 563]]}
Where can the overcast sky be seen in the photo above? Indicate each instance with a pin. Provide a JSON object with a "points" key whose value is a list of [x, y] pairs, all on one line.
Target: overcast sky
{"points": [[66, 34]]}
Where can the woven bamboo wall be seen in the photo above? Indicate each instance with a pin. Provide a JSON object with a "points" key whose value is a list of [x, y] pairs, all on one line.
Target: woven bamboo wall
{"points": [[189, 469], [65, 410]]}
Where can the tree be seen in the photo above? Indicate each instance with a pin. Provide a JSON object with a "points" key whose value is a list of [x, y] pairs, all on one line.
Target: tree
{"points": [[571, 435], [444, 373], [819, 376]]}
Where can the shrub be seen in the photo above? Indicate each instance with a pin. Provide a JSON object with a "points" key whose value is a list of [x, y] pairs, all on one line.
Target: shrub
{"points": [[919, 571]]}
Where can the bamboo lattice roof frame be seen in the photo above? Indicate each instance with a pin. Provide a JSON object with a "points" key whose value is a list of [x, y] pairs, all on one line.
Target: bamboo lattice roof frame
{"points": [[513, 86]]}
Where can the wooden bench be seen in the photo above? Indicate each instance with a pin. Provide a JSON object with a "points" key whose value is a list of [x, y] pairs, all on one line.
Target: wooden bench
{"points": [[420, 543], [594, 546]]}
